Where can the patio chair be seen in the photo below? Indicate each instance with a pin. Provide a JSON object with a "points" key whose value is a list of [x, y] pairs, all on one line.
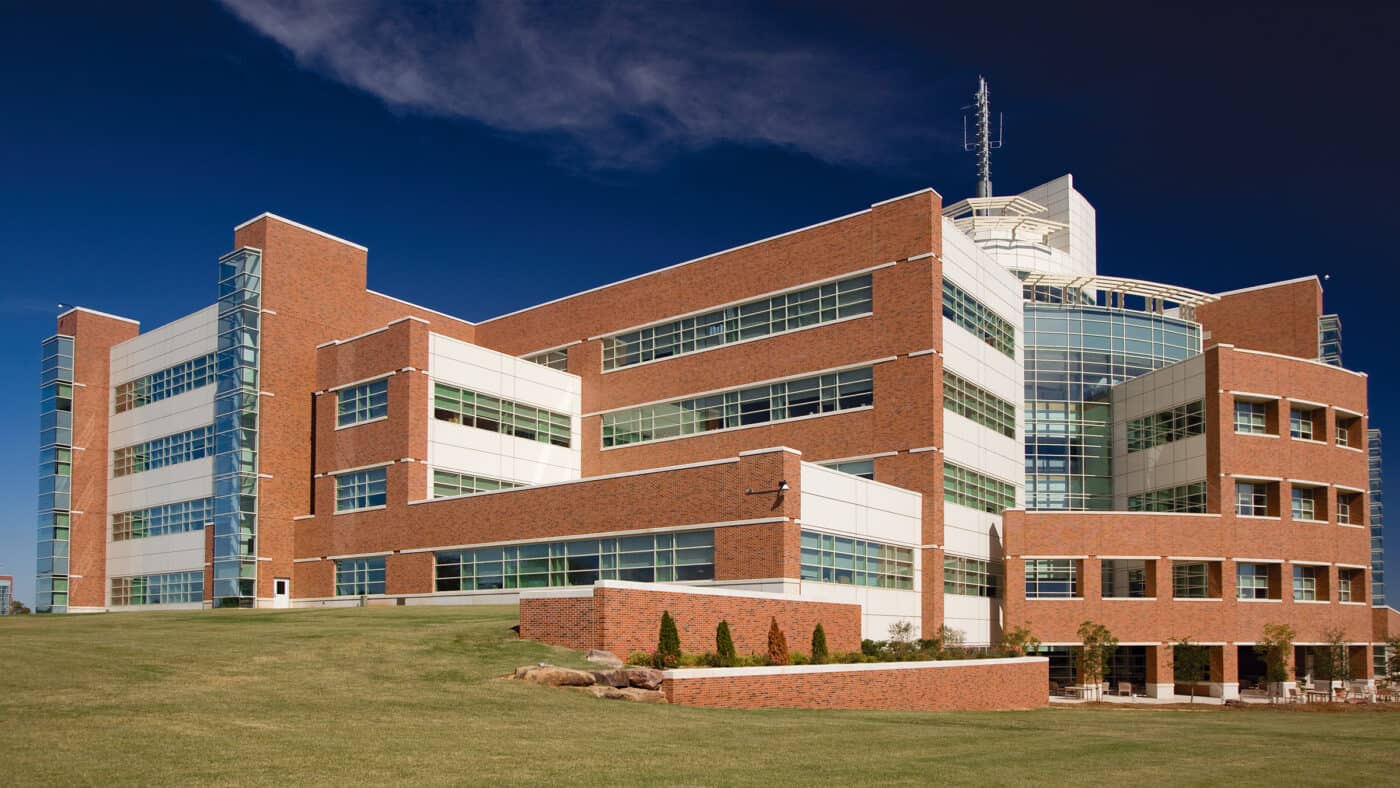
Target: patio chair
{"points": [[1293, 696], [1125, 688]]}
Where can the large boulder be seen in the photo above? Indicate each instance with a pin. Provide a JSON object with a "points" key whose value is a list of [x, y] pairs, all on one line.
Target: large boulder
{"points": [[612, 678], [644, 678], [624, 693], [605, 658], [551, 676]]}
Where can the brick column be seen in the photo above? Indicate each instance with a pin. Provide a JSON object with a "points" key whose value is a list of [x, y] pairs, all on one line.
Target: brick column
{"points": [[1159, 671]]}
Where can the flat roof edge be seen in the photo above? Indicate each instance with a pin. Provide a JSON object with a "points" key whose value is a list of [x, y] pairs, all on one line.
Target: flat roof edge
{"points": [[71, 310], [300, 226]]}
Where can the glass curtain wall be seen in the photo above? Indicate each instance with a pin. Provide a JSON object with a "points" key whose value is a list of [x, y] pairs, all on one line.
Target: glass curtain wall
{"points": [[1074, 354], [236, 430], [55, 474]]}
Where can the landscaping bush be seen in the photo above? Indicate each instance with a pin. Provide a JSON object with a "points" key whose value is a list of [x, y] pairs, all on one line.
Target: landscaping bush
{"points": [[820, 654], [641, 658], [777, 645], [668, 643], [724, 646]]}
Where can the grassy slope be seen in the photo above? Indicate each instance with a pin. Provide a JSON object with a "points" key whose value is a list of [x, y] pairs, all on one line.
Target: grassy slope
{"points": [[410, 694]]}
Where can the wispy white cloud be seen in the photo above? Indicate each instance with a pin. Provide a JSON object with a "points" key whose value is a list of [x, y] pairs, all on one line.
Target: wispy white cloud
{"points": [[621, 83]]}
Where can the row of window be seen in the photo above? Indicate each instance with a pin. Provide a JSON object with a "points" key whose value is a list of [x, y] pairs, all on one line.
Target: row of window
{"points": [[485, 412], [166, 589], [169, 450], [972, 489], [1252, 417], [447, 484], [362, 403], [849, 561], [971, 576], [171, 518], [755, 405], [554, 359], [185, 376], [971, 401], [1058, 578], [1257, 499], [361, 489], [787, 312], [1184, 498], [973, 315], [1172, 424]]}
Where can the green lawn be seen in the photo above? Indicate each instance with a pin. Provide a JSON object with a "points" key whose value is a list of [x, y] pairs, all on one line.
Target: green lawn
{"points": [[412, 695]]}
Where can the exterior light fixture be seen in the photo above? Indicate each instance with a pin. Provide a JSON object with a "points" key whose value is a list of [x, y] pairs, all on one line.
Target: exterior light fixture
{"points": [[780, 489]]}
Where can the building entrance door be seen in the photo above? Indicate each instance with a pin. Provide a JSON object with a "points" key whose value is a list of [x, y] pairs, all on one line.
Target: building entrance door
{"points": [[281, 592]]}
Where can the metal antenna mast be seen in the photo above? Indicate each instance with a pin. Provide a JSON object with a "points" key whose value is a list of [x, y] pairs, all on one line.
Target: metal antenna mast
{"points": [[984, 144]]}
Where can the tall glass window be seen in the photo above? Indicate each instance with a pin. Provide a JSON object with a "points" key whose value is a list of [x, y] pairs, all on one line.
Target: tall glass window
{"points": [[787, 312], [1052, 578], [358, 404], [1075, 354], [359, 576], [644, 558], [845, 560], [360, 490], [55, 474], [493, 414], [790, 399]]}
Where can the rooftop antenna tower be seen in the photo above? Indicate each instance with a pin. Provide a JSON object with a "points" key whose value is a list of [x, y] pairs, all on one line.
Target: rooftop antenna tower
{"points": [[984, 144]]}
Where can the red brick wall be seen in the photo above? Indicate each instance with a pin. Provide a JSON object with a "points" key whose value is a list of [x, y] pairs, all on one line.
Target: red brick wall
{"points": [[627, 618], [560, 621], [1279, 318], [93, 338], [971, 685]]}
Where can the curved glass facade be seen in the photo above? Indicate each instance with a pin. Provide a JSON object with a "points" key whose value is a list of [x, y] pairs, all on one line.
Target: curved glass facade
{"points": [[1074, 353]]}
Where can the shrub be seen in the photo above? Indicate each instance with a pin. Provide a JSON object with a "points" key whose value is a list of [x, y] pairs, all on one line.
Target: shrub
{"points": [[1018, 642], [1276, 647], [640, 658], [724, 646], [668, 643], [871, 648], [819, 653], [777, 645]]}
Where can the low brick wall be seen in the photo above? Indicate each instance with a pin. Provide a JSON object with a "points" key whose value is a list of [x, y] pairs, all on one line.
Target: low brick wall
{"points": [[949, 685], [626, 617]]}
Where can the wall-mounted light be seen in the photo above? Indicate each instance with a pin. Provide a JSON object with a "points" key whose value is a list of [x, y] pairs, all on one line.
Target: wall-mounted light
{"points": [[780, 489]]}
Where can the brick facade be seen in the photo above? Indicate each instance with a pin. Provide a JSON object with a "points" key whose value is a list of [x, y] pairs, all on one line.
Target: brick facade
{"points": [[1276, 318], [955, 685], [626, 617]]}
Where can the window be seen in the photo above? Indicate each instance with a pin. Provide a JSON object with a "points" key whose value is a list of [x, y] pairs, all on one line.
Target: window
{"points": [[1252, 581], [1304, 502], [1305, 582], [1345, 426], [360, 490], [1170, 425], [1251, 417], [970, 488], [1052, 578], [185, 376], [171, 518], [554, 359], [1190, 580], [1186, 498], [849, 561], [1251, 499], [1125, 578], [366, 402], [974, 402], [1301, 425], [169, 450], [1350, 508], [645, 558], [1343, 588], [485, 412], [359, 576], [973, 315], [790, 399], [1351, 584], [787, 312], [971, 576], [448, 483], [865, 469], [166, 589]]}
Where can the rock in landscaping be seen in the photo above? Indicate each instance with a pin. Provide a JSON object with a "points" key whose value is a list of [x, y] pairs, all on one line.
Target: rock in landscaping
{"points": [[612, 678], [627, 693], [604, 658], [524, 669], [551, 676], [644, 678]]}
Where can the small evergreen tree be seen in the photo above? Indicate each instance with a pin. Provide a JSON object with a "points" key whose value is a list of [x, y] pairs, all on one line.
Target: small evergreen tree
{"points": [[724, 646], [819, 653], [668, 643], [777, 645], [1189, 661]]}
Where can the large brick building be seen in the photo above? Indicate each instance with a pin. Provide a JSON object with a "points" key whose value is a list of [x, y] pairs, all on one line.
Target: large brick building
{"points": [[942, 414]]}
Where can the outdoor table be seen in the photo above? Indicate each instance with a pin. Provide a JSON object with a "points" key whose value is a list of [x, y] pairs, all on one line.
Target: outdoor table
{"points": [[1318, 695]]}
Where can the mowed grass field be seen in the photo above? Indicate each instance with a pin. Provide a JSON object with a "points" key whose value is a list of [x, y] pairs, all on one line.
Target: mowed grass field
{"points": [[414, 695]]}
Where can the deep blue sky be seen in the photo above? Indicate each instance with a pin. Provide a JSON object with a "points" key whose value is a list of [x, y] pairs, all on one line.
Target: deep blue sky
{"points": [[491, 161]]}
